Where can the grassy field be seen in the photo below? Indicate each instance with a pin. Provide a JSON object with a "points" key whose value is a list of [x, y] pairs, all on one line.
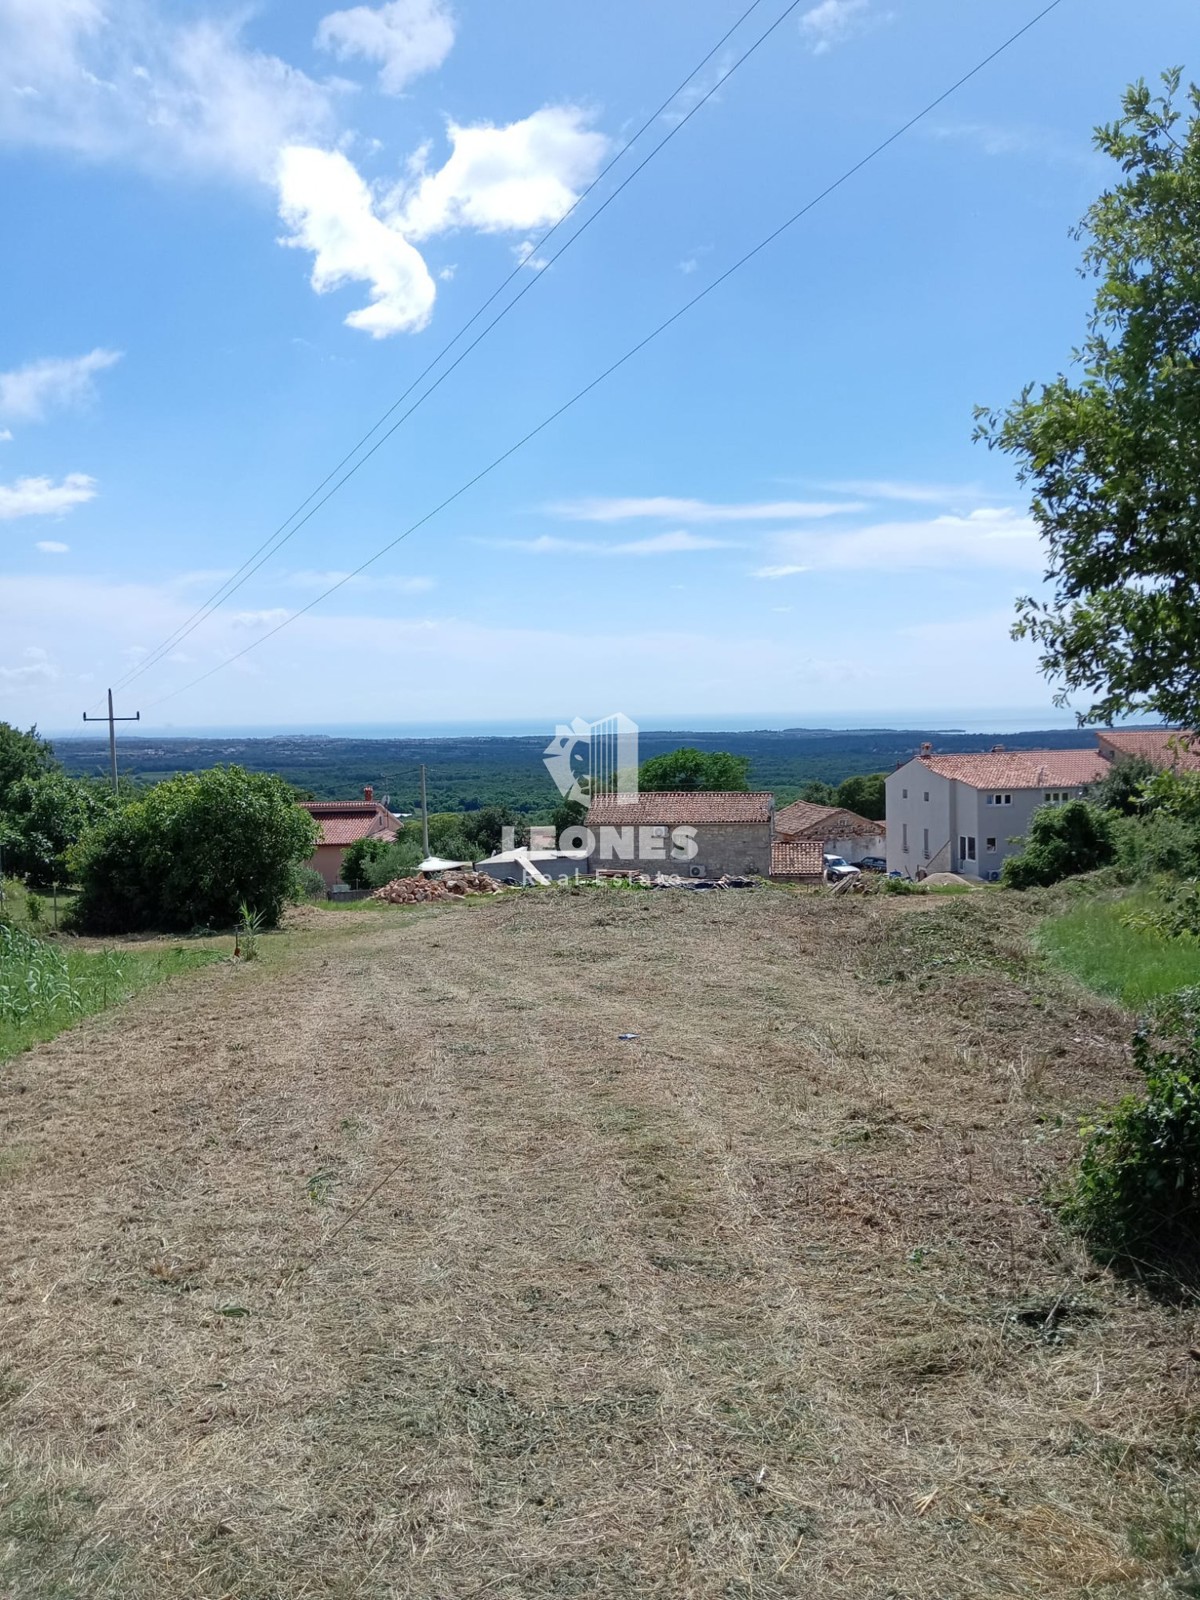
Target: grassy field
{"points": [[386, 1266], [1094, 942]]}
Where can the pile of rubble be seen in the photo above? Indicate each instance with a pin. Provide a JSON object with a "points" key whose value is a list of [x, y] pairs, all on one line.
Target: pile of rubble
{"points": [[452, 886]]}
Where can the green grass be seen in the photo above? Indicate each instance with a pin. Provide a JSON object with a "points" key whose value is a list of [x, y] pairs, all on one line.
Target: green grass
{"points": [[1093, 942], [45, 988]]}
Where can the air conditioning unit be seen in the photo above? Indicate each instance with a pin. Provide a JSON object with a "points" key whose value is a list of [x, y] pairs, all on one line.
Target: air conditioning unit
{"points": [[993, 877], [696, 872], [658, 833]]}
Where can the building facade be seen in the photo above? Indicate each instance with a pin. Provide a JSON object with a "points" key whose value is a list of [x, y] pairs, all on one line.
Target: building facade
{"points": [[967, 813], [841, 832], [343, 823], [727, 833]]}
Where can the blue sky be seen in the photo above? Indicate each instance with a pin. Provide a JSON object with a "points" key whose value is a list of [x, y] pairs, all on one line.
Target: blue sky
{"points": [[243, 231]]}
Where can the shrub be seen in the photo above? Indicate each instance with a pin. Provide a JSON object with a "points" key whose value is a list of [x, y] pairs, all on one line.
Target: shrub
{"points": [[1062, 841], [307, 884], [1156, 842], [890, 885], [1175, 915], [399, 860], [191, 852], [1136, 1198]]}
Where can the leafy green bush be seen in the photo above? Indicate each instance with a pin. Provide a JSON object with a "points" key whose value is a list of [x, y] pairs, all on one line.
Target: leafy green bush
{"points": [[307, 884], [190, 852], [1156, 842], [1174, 915], [1136, 1198], [399, 860], [1062, 841], [890, 885]]}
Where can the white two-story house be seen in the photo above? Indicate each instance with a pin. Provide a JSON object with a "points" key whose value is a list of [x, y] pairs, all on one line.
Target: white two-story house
{"points": [[966, 813]]}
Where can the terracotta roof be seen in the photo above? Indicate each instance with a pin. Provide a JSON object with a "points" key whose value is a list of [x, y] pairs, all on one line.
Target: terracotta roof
{"points": [[797, 858], [678, 808], [1153, 744], [804, 820], [345, 821], [1021, 769]]}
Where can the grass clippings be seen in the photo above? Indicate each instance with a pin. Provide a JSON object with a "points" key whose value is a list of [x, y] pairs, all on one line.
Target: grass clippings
{"points": [[391, 1268]]}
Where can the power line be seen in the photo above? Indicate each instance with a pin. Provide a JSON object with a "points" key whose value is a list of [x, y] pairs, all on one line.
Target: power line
{"points": [[634, 350], [280, 537]]}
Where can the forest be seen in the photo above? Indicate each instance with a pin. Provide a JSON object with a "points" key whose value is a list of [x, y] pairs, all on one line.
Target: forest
{"points": [[466, 774]]}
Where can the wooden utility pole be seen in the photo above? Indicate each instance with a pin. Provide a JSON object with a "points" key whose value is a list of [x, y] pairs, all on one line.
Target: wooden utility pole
{"points": [[424, 817], [112, 734]]}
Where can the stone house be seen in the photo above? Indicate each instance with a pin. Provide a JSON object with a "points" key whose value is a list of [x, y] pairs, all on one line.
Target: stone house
{"points": [[841, 832], [692, 833]]}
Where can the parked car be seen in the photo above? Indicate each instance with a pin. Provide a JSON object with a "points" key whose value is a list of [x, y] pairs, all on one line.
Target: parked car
{"points": [[836, 868], [873, 864]]}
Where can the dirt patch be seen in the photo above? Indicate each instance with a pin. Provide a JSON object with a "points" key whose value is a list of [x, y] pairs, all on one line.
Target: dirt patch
{"points": [[392, 1268]]}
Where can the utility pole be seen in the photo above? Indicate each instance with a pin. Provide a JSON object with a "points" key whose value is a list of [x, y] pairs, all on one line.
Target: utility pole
{"points": [[112, 734], [424, 817]]}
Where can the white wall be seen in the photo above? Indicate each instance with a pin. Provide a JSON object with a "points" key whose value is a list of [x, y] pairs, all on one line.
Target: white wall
{"points": [[935, 815]]}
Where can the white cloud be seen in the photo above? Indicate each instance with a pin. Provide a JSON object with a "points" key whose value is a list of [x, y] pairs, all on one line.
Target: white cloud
{"points": [[833, 21], [37, 669], [51, 547], [406, 37], [133, 83], [624, 510], [784, 571], [498, 180], [256, 620], [329, 209], [29, 392], [5, 435], [659, 544], [527, 256], [984, 537], [1000, 139], [939, 494], [389, 583], [40, 497]]}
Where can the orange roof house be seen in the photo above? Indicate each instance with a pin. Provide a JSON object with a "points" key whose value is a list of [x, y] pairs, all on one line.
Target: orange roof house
{"points": [[1165, 747], [343, 823]]}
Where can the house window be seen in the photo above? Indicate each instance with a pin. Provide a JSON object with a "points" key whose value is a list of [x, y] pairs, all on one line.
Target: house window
{"points": [[991, 847], [904, 794], [927, 796], [1056, 797], [999, 800], [925, 840], [904, 834], [966, 847]]}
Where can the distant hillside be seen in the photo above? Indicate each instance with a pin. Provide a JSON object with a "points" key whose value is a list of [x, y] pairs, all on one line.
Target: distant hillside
{"points": [[466, 773]]}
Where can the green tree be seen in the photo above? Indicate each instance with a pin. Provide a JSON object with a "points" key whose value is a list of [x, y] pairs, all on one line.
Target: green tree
{"points": [[1062, 842], [1110, 452], [22, 755], [191, 852], [358, 858], [484, 829], [695, 769], [1121, 789], [863, 794], [818, 793], [567, 814], [46, 815]]}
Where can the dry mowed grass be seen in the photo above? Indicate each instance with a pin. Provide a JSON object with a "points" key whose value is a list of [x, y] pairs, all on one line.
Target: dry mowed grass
{"points": [[763, 1302]]}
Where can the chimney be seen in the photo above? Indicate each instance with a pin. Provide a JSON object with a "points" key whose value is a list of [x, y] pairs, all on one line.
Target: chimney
{"points": [[926, 749], [369, 795]]}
